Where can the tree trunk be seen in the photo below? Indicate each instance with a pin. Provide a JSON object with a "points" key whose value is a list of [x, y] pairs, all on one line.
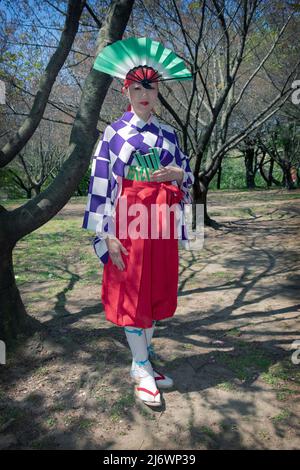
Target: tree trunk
{"points": [[219, 177], [298, 178], [287, 177], [267, 178], [200, 197], [250, 173], [13, 317], [37, 189]]}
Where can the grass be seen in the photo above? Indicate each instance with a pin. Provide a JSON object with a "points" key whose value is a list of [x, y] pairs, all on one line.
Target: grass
{"points": [[43, 443], [221, 274], [208, 431], [78, 422], [146, 412], [283, 377], [233, 332], [187, 346], [51, 422], [59, 407], [243, 212], [42, 371], [86, 423], [265, 435], [286, 393], [282, 416], [34, 398], [224, 426], [102, 402], [282, 372], [227, 386], [245, 361], [11, 413], [121, 406], [51, 252], [69, 420], [261, 194]]}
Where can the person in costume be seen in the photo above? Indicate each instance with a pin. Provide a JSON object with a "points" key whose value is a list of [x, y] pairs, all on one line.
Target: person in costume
{"points": [[139, 161]]}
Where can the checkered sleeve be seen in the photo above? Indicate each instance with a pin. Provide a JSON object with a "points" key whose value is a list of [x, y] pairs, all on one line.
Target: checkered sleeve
{"points": [[188, 178], [98, 214]]}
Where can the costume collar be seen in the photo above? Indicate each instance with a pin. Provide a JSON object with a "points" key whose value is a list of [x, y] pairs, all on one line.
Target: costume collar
{"points": [[135, 121]]}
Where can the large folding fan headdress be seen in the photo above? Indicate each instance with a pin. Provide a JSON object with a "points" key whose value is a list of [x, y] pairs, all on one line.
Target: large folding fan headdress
{"points": [[124, 56]]}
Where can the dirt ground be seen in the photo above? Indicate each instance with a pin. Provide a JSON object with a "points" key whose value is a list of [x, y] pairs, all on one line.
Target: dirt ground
{"points": [[228, 347]]}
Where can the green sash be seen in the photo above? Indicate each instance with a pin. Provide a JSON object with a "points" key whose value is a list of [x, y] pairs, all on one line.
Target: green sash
{"points": [[147, 163]]}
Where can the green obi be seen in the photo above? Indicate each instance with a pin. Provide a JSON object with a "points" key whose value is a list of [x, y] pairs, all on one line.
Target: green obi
{"points": [[147, 163]]}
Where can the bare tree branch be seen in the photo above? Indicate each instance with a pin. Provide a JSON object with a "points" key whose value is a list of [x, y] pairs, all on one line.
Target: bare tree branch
{"points": [[17, 142], [43, 207]]}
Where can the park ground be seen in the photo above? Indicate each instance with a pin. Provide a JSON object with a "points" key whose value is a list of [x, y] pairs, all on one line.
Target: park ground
{"points": [[229, 346]]}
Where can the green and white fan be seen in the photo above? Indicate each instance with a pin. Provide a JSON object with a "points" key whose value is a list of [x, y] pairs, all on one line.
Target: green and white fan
{"points": [[123, 56], [147, 163]]}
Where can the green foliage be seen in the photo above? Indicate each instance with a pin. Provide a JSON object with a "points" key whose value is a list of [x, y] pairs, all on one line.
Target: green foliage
{"points": [[8, 188], [84, 183], [233, 175]]}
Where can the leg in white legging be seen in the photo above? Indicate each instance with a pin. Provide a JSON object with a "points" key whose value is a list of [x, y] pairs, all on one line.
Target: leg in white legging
{"points": [[137, 341], [149, 334]]}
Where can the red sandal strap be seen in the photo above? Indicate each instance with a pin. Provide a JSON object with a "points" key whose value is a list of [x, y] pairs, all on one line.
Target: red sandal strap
{"points": [[160, 377], [148, 391]]}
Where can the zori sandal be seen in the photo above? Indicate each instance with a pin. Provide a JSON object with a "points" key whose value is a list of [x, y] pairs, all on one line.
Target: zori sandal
{"points": [[144, 395], [162, 381]]}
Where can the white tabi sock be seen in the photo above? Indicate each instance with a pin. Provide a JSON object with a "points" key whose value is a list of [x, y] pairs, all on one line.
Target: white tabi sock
{"points": [[142, 367]]}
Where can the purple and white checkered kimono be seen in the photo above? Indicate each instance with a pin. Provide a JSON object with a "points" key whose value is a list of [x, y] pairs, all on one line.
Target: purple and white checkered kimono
{"points": [[111, 162]]}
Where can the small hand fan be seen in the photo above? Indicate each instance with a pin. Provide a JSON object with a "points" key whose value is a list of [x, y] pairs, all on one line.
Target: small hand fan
{"points": [[147, 163]]}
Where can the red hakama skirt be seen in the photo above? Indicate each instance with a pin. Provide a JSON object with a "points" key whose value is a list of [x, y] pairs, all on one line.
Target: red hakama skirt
{"points": [[146, 289]]}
